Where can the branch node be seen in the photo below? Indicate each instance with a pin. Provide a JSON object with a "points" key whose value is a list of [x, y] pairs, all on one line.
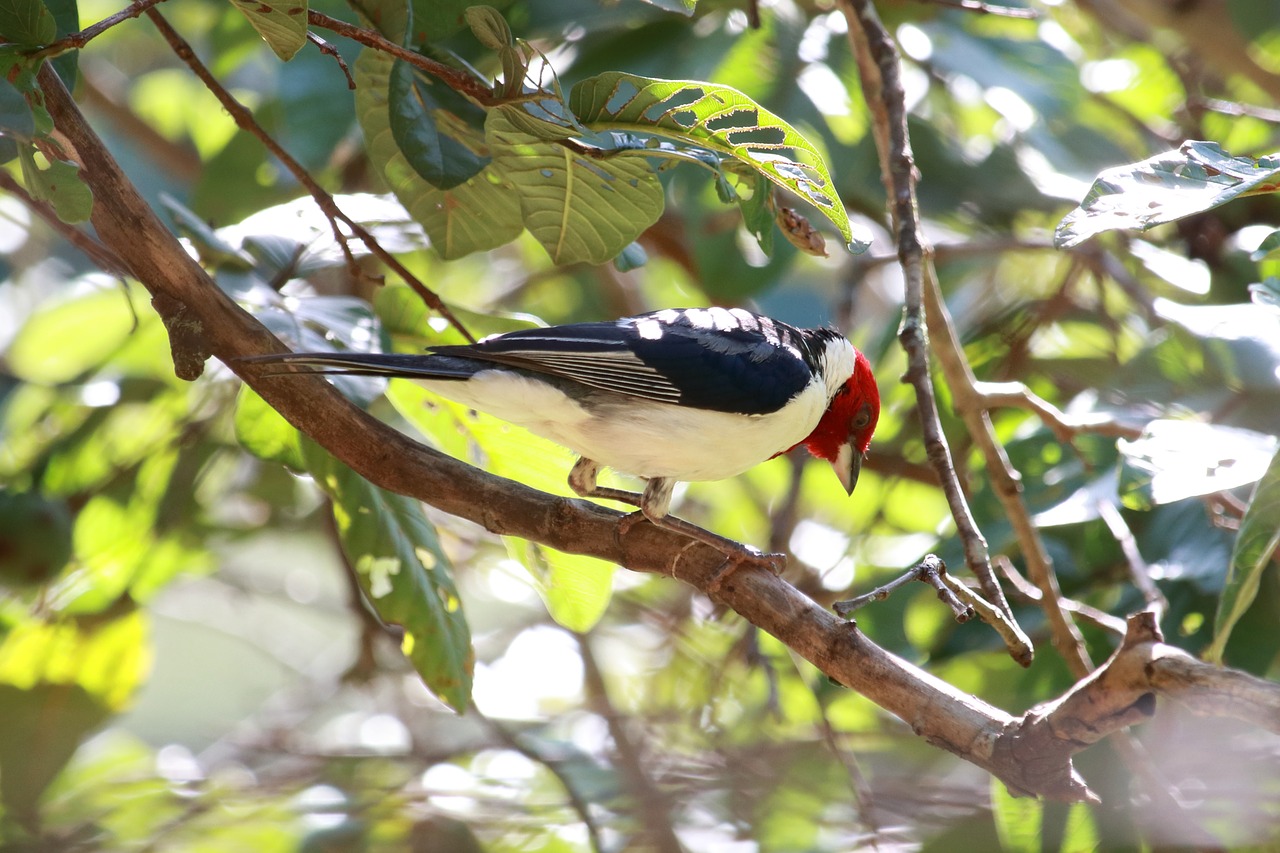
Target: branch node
{"points": [[187, 342]]}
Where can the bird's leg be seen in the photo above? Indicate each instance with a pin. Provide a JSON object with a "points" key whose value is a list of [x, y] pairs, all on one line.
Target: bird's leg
{"points": [[654, 504], [582, 479]]}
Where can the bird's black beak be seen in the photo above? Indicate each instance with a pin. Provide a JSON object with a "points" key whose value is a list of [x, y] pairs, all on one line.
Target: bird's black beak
{"points": [[848, 465]]}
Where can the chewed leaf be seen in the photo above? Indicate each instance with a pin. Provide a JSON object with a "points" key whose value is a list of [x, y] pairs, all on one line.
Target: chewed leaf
{"points": [[717, 118], [1197, 177]]}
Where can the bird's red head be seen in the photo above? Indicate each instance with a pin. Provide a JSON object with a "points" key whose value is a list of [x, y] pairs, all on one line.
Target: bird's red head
{"points": [[844, 432]]}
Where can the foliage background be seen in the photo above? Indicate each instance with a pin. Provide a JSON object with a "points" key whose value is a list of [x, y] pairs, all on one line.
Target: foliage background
{"points": [[200, 674]]}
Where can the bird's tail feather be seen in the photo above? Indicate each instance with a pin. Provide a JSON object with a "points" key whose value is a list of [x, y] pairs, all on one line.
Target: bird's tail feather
{"points": [[370, 364]]}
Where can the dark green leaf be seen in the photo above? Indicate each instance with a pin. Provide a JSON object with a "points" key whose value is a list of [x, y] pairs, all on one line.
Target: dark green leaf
{"points": [[478, 215], [1256, 542], [404, 574], [440, 143], [15, 116], [1269, 246], [27, 22], [60, 185]]}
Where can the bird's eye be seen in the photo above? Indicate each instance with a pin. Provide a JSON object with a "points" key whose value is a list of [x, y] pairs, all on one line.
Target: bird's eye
{"points": [[863, 418]]}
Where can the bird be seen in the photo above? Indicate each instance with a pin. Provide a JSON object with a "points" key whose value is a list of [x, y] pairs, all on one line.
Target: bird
{"points": [[675, 395]]}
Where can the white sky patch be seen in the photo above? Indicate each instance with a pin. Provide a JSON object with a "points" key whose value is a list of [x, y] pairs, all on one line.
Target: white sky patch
{"points": [[450, 787], [1011, 107], [15, 224], [915, 42], [1052, 34], [818, 545], [824, 88], [813, 45], [1108, 75], [1189, 274], [322, 806], [541, 665], [1047, 179]]}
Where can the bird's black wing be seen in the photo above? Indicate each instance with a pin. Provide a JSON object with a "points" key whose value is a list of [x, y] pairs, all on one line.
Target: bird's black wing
{"points": [[716, 359]]}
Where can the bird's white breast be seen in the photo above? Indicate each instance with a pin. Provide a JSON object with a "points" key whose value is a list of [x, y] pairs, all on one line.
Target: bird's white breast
{"points": [[640, 437]]}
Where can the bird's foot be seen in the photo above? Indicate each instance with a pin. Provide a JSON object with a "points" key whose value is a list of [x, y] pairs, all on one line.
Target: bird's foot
{"points": [[744, 555]]}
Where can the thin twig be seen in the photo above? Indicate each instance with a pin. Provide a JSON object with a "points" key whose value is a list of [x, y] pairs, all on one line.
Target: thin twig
{"points": [[105, 259], [1138, 568], [883, 92], [576, 801], [1027, 590], [993, 395], [75, 41], [1005, 482], [245, 120], [930, 570], [460, 81], [654, 807], [329, 50]]}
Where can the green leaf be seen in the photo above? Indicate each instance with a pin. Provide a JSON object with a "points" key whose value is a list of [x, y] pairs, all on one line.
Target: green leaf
{"points": [[262, 431], [1269, 246], [439, 142], [1266, 292], [69, 338], [1256, 541], [1175, 460], [489, 27], [27, 22], [478, 215], [1030, 825], [404, 574], [1197, 177], [60, 185], [575, 589], [15, 116], [281, 23], [717, 118], [580, 208], [58, 682]]}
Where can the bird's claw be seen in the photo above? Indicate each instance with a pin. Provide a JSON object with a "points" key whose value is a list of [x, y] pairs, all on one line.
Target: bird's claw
{"points": [[745, 555]]}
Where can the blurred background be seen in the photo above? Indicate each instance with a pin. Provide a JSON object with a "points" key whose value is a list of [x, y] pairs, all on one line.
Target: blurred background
{"points": [[187, 665]]}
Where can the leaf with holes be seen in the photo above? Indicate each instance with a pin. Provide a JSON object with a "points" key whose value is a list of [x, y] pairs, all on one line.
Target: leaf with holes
{"points": [[480, 214], [1197, 177], [404, 573], [717, 118], [1256, 542], [281, 23], [579, 207]]}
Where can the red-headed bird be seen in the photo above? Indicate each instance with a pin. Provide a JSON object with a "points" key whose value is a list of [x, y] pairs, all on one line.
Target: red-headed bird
{"points": [[679, 394]]}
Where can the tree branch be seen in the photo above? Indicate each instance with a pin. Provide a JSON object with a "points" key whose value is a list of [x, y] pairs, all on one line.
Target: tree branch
{"points": [[204, 321]]}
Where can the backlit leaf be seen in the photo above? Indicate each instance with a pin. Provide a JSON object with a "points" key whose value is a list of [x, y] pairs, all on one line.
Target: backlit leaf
{"points": [[281, 23], [1256, 542], [717, 118], [1197, 177], [580, 208]]}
